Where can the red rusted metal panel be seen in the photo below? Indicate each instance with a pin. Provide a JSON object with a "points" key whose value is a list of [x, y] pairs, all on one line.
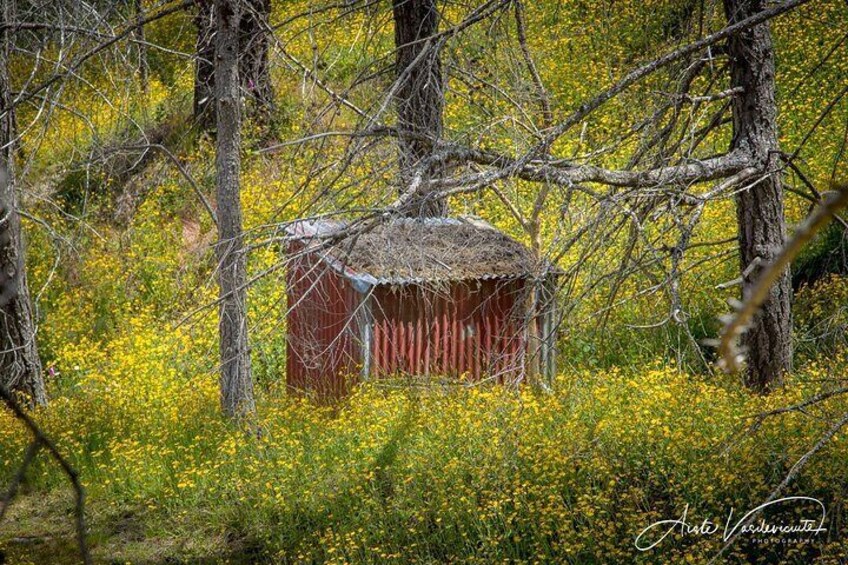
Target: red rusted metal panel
{"points": [[470, 328], [322, 349]]}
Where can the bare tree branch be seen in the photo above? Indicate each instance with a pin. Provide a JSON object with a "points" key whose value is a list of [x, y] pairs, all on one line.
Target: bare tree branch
{"points": [[730, 358], [40, 439]]}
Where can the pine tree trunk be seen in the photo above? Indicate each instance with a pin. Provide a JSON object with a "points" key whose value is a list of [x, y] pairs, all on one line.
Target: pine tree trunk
{"points": [[419, 99], [235, 379], [762, 227], [20, 366]]}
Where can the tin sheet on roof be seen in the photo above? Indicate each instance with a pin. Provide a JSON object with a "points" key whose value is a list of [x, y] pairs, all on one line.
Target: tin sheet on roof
{"points": [[411, 250]]}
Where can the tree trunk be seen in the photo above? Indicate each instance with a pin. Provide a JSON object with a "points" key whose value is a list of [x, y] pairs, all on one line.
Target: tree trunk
{"points": [[143, 68], [419, 98], [254, 75], [532, 341], [20, 366], [236, 381], [253, 62], [204, 65], [762, 227]]}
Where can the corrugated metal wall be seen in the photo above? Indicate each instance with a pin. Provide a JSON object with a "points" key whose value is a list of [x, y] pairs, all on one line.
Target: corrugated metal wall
{"points": [[469, 329], [324, 353]]}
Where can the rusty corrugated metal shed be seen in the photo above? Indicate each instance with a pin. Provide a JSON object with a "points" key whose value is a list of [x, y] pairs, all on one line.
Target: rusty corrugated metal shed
{"points": [[346, 323]]}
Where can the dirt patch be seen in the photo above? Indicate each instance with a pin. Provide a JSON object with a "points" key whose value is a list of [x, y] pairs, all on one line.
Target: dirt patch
{"points": [[39, 529]]}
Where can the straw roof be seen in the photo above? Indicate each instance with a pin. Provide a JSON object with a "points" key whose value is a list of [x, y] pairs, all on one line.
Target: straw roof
{"points": [[409, 250]]}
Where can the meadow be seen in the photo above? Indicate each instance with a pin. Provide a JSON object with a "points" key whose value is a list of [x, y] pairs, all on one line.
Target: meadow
{"points": [[408, 475]]}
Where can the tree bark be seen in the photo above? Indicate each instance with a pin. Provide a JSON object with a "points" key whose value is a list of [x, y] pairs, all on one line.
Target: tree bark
{"points": [[253, 62], [762, 227], [143, 67], [20, 366], [419, 99], [204, 65], [254, 74], [235, 379]]}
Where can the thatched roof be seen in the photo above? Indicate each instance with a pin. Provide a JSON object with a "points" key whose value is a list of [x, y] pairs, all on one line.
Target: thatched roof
{"points": [[406, 250]]}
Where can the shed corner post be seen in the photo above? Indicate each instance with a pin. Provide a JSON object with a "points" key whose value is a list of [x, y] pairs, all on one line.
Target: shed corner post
{"points": [[547, 301], [365, 321]]}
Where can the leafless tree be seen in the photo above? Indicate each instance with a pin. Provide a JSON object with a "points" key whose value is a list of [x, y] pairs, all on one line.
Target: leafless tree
{"points": [[419, 98], [236, 380], [143, 63], [20, 365], [254, 69], [204, 64]]}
